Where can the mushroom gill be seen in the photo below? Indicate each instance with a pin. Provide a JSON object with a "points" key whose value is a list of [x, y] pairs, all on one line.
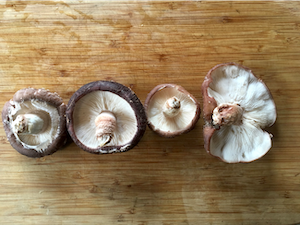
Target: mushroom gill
{"points": [[237, 106]]}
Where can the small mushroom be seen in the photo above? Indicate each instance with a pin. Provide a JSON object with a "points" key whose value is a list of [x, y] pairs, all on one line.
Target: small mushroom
{"points": [[34, 122], [236, 107], [171, 110], [105, 117]]}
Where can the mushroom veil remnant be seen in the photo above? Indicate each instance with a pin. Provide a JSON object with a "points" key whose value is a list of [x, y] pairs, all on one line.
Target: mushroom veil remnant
{"points": [[105, 117], [171, 110], [34, 122], [236, 106]]}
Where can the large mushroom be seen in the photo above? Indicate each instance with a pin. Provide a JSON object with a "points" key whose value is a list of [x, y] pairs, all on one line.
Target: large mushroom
{"points": [[236, 106], [34, 122], [171, 110], [105, 117]]}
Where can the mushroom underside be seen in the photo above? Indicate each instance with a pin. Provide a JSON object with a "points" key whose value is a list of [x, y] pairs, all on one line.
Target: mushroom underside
{"points": [[244, 106], [234, 85], [240, 143], [41, 140], [87, 110], [180, 120]]}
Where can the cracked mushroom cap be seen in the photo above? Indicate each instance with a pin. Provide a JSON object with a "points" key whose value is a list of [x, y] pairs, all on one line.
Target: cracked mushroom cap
{"points": [[171, 110], [105, 117], [236, 106], [34, 122]]}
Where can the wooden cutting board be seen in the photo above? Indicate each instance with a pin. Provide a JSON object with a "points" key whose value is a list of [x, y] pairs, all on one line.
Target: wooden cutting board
{"points": [[62, 45]]}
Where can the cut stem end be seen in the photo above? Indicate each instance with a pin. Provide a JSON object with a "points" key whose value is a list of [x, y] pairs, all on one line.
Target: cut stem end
{"points": [[106, 124], [28, 124], [171, 107], [227, 114]]}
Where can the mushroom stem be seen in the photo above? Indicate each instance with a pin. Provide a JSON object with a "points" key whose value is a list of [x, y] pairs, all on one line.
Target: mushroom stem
{"points": [[106, 123], [171, 107], [227, 114], [29, 123]]}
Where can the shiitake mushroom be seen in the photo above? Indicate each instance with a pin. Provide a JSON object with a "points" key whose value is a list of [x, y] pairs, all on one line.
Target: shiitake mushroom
{"points": [[34, 122], [171, 110], [105, 117], [237, 106]]}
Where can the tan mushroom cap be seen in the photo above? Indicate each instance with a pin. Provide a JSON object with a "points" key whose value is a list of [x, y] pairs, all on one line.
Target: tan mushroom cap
{"points": [[171, 110], [236, 106]]}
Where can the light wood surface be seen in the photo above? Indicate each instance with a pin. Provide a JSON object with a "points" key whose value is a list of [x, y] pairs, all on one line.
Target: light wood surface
{"points": [[62, 45]]}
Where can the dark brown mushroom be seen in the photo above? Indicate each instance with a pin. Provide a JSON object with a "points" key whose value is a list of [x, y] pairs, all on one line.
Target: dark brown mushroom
{"points": [[105, 117], [236, 107], [171, 110], [34, 122]]}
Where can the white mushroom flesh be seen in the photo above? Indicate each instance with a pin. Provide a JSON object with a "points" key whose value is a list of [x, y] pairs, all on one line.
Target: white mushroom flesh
{"points": [[88, 109], [183, 116], [35, 123], [244, 141]]}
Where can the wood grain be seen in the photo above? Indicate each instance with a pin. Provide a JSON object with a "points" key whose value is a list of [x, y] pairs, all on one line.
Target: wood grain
{"points": [[62, 45]]}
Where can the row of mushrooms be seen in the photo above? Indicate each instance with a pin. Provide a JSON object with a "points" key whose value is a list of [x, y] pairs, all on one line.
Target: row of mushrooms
{"points": [[107, 117]]}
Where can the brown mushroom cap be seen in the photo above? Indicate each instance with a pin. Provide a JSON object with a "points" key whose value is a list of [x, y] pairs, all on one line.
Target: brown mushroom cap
{"points": [[182, 121], [236, 107], [30, 100], [112, 98]]}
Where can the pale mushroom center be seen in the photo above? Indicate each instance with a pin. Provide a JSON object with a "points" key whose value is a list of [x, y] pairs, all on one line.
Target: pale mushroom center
{"points": [[171, 107], [106, 124], [92, 105], [227, 114], [30, 123], [34, 123]]}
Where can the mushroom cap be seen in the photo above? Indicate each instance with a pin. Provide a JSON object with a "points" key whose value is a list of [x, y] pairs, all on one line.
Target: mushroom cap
{"points": [[105, 96], [231, 83], [183, 122], [36, 100]]}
